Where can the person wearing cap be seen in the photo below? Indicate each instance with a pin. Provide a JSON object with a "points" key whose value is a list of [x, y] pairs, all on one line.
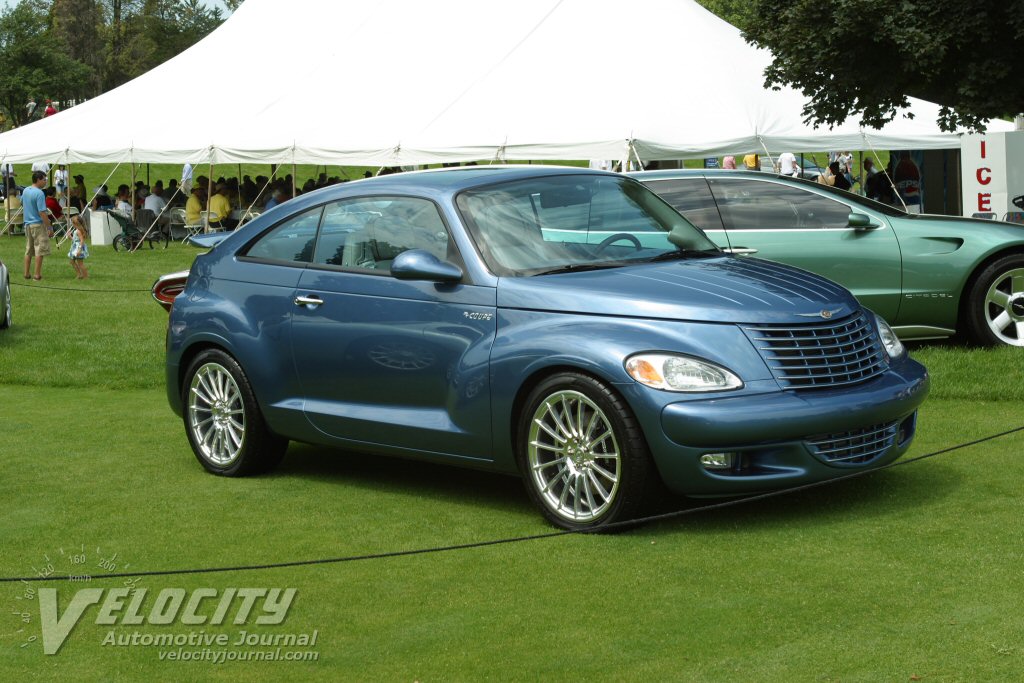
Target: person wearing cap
{"points": [[50, 109], [38, 230]]}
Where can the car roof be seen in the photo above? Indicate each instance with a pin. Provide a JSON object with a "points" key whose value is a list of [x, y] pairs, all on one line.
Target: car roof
{"points": [[463, 177], [695, 172]]}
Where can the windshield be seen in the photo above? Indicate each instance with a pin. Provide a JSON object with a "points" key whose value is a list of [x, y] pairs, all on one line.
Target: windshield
{"points": [[564, 223]]}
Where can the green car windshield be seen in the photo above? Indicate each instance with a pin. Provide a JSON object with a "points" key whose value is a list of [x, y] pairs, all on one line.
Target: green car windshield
{"points": [[565, 223]]}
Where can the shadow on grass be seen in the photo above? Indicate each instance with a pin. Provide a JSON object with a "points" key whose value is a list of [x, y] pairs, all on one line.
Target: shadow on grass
{"points": [[897, 491], [406, 477], [901, 491]]}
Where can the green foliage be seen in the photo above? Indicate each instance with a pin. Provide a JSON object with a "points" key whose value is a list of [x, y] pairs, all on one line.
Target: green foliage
{"points": [[33, 63], [739, 13], [71, 50], [864, 57]]}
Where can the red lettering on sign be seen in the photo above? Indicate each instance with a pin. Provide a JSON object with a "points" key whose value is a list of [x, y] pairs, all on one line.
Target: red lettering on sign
{"points": [[984, 202], [982, 149], [986, 180]]}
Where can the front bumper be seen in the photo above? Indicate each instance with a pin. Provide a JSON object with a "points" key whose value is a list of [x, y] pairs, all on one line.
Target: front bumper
{"points": [[784, 438]]}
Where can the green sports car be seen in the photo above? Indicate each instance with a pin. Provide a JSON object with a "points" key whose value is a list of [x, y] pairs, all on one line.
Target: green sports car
{"points": [[928, 276]]}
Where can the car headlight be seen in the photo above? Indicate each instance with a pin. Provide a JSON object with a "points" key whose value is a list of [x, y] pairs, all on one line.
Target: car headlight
{"points": [[679, 373], [893, 346]]}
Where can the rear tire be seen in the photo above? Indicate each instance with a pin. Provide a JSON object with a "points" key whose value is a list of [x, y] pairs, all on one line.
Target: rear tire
{"points": [[582, 454], [995, 303], [223, 421], [121, 243]]}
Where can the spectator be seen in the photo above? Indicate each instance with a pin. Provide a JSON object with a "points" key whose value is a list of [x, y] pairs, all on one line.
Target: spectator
{"points": [[221, 206], [42, 166], [7, 171], [839, 178], [194, 205], [13, 210], [79, 250], [30, 108], [123, 203], [101, 200], [80, 184], [52, 205], [729, 162], [38, 230], [156, 203], [50, 109], [186, 178], [788, 165], [60, 180], [869, 179], [751, 162]]}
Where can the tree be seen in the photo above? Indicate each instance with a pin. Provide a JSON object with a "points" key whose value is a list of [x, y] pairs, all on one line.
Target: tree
{"points": [[34, 64], [737, 12], [864, 57], [75, 25]]}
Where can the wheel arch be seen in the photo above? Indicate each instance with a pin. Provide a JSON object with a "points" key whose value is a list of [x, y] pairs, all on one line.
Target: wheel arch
{"points": [[539, 375], [972, 279]]}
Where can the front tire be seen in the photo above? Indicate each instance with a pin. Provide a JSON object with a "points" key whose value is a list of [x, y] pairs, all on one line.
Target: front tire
{"points": [[582, 454], [995, 303], [7, 320], [223, 421]]}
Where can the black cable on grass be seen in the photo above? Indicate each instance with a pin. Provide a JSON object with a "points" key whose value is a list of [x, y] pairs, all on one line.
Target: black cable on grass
{"points": [[632, 523], [76, 289]]}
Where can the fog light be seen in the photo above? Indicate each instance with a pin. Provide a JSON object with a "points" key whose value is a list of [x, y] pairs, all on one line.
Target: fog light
{"points": [[716, 461]]}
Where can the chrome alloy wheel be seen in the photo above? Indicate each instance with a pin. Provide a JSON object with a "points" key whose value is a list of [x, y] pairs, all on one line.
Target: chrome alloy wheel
{"points": [[573, 456], [1004, 307], [216, 414]]}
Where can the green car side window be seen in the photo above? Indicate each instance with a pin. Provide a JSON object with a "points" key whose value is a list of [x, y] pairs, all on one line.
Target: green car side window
{"points": [[692, 198], [762, 205]]}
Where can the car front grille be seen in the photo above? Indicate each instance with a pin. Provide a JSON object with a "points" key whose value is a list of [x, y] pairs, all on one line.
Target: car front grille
{"points": [[820, 355], [855, 447]]}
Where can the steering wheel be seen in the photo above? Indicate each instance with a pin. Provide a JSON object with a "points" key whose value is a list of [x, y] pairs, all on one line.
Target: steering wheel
{"points": [[611, 239]]}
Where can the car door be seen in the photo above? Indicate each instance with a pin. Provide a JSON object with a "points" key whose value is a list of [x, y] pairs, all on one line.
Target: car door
{"points": [[798, 226], [692, 197], [392, 362]]}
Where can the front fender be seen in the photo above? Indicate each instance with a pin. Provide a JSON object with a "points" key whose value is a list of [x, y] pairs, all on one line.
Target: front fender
{"points": [[530, 344]]}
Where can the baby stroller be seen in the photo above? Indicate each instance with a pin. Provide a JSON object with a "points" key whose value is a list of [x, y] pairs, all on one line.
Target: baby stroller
{"points": [[131, 236]]}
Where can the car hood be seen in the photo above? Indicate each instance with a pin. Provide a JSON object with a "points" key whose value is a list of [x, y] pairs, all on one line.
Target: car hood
{"points": [[719, 289]]}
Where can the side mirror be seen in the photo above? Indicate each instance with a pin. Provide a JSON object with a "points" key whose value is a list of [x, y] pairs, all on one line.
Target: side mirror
{"points": [[862, 221], [417, 264]]}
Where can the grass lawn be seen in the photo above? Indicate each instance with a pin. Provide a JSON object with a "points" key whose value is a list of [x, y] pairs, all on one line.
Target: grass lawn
{"points": [[908, 574]]}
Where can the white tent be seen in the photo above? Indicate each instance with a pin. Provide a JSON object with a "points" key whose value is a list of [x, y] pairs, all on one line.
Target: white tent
{"points": [[392, 82]]}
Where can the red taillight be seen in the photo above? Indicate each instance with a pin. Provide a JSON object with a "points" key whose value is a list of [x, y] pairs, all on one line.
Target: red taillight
{"points": [[168, 287]]}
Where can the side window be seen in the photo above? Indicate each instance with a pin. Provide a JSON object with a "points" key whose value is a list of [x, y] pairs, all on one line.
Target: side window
{"points": [[692, 198], [369, 232], [291, 240], [759, 205]]}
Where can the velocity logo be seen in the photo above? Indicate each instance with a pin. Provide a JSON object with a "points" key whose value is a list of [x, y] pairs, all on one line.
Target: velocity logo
{"points": [[139, 606]]}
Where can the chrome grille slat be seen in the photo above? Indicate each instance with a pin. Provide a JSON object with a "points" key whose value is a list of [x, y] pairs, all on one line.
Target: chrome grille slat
{"points": [[820, 355], [858, 446]]}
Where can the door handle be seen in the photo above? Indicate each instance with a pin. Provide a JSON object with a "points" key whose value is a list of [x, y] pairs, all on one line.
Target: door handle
{"points": [[740, 251], [309, 302]]}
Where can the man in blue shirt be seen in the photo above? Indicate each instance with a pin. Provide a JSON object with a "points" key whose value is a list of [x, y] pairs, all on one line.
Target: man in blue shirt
{"points": [[38, 230]]}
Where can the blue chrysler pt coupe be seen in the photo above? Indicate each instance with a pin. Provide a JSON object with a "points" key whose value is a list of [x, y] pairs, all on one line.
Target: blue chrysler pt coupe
{"points": [[563, 324]]}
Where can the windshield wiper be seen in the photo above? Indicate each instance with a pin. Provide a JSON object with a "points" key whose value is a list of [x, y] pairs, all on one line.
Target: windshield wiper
{"points": [[579, 267], [683, 254]]}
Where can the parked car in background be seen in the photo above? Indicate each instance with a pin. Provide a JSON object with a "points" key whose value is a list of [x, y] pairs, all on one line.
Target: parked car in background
{"points": [[5, 297], [928, 276], [808, 168], [563, 324]]}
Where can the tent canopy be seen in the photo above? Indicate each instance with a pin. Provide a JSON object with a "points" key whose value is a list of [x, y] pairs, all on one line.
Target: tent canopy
{"points": [[395, 82]]}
